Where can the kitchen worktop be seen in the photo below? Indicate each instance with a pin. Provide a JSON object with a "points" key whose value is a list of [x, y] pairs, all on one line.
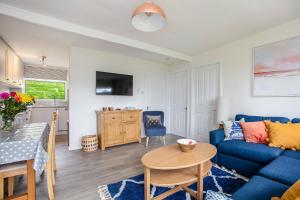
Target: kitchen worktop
{"points": [[49, 106]]}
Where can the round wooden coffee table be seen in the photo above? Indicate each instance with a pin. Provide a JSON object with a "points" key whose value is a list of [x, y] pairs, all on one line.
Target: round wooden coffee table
{"points": [[168, 166]]}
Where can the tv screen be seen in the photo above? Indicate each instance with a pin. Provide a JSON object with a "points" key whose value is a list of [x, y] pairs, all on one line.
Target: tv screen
{"points": [[114, 84]]}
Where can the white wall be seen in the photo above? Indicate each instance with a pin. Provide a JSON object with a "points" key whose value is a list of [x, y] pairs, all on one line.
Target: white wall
{"points": [[236, 72], [83, 101]]}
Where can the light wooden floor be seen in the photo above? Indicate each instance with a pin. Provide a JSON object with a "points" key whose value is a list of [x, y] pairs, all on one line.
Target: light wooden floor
{"points": [[79, 174]]}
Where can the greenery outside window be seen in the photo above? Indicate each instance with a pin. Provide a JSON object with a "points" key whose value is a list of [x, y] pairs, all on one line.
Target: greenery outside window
{"points": [[46, 89]]}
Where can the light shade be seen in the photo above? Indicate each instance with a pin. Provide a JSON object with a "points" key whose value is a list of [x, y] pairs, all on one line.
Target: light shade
{"points": [[148, 17], [223, 109]]}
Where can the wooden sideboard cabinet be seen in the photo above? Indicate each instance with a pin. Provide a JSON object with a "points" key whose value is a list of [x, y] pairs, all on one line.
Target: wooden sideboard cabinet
{"points": [[118, 127]]}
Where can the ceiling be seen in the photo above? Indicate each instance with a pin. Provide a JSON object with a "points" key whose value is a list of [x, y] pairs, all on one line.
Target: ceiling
{"points": [[32, 41], [193, 25]]}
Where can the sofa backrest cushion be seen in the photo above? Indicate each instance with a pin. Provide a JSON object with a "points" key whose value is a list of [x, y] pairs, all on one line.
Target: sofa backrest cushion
{"points": [[296, 120], [285, 136], [249, 118]]}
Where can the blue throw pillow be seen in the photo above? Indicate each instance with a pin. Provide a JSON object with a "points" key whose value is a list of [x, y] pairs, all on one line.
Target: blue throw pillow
{"points": [[233, 130], [211, 195]]}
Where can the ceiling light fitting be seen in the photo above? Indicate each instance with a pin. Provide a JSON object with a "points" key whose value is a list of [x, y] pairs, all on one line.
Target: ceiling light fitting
{"points": [[43, 61], [148, 17]]}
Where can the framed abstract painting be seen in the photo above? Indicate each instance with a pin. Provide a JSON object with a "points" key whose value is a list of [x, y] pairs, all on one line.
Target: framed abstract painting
{"points": [[276, 69]]}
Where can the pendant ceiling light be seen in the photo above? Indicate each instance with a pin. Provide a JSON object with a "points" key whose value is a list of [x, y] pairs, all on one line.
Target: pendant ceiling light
{"points": [[43, 61], [148, 17]]}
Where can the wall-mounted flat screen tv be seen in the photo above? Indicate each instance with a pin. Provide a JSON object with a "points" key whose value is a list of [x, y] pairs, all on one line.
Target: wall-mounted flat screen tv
{"points": [[114, 84]]}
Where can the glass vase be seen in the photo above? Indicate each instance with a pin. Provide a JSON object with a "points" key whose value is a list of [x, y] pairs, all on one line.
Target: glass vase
{"points": [[7, 125]]}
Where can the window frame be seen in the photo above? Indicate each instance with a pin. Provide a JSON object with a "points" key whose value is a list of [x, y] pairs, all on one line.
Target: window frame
{"points": [[48, 80]]}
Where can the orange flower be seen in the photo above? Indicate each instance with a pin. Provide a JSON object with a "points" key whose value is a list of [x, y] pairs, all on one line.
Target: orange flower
{"points": [[18, 98]]}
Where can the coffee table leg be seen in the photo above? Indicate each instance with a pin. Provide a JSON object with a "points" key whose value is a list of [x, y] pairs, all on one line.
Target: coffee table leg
{"points": [[200, 182], [147, 183], [31, 181]]}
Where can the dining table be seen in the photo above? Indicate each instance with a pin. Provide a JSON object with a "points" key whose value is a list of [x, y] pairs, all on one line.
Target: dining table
{"points": [[28, 144]]}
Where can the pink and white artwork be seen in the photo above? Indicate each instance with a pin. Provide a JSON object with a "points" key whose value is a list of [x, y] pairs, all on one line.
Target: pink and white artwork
{"points": [[277, 69]]}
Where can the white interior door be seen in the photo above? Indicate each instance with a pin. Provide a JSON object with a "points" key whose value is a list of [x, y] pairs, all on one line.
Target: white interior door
{"points": [[158, 94], [205, 91], [178, 102]]}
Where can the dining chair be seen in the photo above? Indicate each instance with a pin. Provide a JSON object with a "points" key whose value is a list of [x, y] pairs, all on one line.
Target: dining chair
{"points": [[12, 170], [51, 164]]}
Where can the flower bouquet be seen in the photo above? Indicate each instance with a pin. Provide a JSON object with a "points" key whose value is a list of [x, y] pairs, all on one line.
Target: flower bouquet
{"points": [[12, 104]]}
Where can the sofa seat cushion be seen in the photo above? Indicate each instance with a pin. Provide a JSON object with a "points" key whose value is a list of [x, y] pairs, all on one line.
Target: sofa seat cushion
{"points": [[283, 169], [260, 188], [156, 131], [250, 151], [242, 166], [292, 154]]}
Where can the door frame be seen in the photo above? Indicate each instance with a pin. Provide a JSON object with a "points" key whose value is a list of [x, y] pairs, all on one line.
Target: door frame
{"points": [[192, 86], [188, 98]]}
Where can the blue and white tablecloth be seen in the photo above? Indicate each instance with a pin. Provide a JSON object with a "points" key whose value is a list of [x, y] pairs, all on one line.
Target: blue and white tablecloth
{"points": [[27, 143]]}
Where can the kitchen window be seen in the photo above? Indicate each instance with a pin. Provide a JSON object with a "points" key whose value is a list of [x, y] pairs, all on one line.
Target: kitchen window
{"points": [[46, 89]]}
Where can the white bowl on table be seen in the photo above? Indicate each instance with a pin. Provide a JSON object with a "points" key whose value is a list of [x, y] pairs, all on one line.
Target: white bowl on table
{"points": [[186, 145]]}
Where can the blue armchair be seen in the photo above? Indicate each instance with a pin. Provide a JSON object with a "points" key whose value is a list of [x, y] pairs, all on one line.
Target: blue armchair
{"points": [[154, 130]]}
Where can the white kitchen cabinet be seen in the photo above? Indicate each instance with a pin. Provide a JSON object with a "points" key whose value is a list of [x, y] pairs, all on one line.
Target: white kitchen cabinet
{"points": [[17, 71], [11, 67], [21, 73], [63, 117], [3, 49], [43, 114]]}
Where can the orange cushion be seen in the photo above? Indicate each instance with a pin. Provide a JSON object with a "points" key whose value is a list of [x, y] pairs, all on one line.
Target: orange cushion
{"points": [[293, 193], [285, 136], [255, 132]]}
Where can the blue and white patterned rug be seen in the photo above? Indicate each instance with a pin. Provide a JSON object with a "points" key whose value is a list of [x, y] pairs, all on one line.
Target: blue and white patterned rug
{"points": [[219, 179]]}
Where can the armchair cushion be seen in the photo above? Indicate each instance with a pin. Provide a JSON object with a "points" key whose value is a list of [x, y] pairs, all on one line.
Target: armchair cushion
{"points": [[155, 131]]}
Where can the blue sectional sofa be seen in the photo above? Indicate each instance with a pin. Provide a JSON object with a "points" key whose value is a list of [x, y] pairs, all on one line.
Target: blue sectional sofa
{"points": [[272, 170]]}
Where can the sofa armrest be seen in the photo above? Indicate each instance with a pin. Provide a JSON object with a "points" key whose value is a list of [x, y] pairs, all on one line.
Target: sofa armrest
{"points": [[216, 136]]}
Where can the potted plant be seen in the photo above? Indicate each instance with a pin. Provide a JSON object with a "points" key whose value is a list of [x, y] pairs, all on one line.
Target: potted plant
{"points": [[12, 104]]}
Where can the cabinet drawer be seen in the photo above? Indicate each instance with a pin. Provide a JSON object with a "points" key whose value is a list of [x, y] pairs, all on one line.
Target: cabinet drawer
{"points": [[130, 116], [113, 118]]}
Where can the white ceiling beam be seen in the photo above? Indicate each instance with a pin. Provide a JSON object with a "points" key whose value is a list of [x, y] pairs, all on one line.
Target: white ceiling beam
{"points": [[36, 18]]}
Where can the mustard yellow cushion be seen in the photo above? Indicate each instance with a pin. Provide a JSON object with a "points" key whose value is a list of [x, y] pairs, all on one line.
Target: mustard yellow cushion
{"points": [[285, 136], [275, 198], [293, 193]]}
